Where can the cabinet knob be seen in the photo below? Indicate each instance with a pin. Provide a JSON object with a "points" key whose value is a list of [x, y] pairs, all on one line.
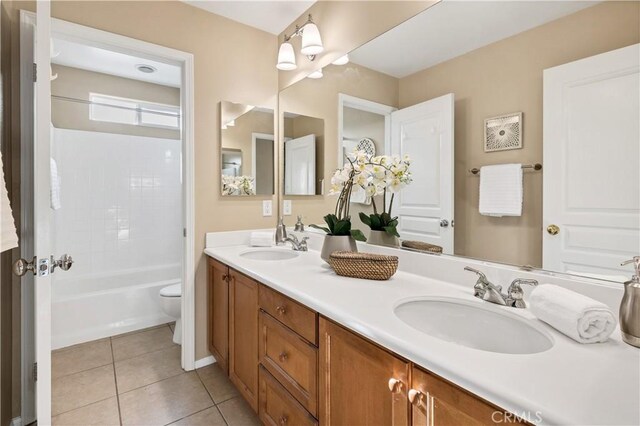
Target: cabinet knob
{"points": [[415, 396], [283, 356], [283, 420], [395, 385], [225, 277], [281, 310]]}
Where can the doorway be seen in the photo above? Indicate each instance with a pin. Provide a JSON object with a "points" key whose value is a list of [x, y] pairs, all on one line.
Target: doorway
{"points": [[118, 175]]}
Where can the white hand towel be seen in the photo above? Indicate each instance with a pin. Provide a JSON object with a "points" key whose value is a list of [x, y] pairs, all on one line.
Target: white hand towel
{"points": [[8, 235], [55, 186], [501, 190], [583, 319], [261, 239]]}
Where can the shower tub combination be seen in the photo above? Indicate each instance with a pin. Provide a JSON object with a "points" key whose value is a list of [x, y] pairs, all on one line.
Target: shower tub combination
{"points": [[90, 308]]}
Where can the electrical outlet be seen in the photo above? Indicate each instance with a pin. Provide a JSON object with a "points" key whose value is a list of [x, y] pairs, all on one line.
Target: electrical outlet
{"points": [[286, 207], [267, 208]]}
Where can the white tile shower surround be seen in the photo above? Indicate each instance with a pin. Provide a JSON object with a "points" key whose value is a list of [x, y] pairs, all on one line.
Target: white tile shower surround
{"points": [[569, 383], [121, 220]]}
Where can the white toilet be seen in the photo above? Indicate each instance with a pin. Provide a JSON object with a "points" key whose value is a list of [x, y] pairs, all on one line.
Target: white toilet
{"points": [[171, 301]]}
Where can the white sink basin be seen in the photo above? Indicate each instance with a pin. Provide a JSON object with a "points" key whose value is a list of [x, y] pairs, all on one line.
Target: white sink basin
{"points": [[269, 254], [474, 326]]}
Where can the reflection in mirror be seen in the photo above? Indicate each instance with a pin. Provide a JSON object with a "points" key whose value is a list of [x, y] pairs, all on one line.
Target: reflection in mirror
{"points": [[247, 152], [303, 146], [471, 90]]}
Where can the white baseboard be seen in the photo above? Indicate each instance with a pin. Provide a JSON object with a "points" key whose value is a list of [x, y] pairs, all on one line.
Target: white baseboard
{"points": [[203, 362], [16, 421]]}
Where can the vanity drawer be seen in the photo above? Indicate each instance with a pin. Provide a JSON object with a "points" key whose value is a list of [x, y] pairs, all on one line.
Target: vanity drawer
{"points": [[277, 407], [291, 360], [300, 319]]}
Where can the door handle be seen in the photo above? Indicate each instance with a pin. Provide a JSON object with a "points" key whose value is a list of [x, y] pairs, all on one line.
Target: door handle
{"points": [[444, 223], [22, 266], [553, 229], [65, 262]]}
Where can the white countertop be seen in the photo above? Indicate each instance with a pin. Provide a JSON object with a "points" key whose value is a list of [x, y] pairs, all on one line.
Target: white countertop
{"points": [[568, 384]]}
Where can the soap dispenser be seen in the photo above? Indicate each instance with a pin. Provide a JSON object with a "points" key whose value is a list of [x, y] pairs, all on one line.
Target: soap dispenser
{"points": [[281, 232], [630, 306]]}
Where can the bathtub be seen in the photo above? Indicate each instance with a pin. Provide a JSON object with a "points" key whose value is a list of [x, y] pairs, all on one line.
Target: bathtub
{"points": [[87, 308]]}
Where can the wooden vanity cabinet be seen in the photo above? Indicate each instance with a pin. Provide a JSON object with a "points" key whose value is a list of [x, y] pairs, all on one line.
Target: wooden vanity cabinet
{"points": [[218, 312], [243, 336], [355, 387]]}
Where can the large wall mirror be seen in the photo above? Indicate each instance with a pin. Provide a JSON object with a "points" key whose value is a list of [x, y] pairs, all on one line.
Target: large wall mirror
{"points": [[548, 90], [303, 139], [247, 160]]}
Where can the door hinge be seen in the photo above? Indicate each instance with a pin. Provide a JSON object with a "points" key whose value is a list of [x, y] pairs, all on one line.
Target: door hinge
{"points": [[184, 232], [35, 371], [35, 72]]}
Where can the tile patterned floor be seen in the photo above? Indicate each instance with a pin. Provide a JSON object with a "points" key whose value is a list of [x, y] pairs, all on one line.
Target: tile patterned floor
{"points": [[135, 379]]}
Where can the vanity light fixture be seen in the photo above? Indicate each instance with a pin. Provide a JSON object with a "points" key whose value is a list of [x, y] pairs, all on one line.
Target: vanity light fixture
{"points": [[316, 74], [342, 60], [311, 45]]}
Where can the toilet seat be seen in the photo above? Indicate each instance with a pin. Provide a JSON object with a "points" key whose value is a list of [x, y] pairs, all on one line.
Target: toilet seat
{"points": [[174, 290]]}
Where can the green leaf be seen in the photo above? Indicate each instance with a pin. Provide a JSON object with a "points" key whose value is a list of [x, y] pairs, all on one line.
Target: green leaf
{"points": [[357, 234], [342, 227], [376, 222], [322, 228], [385, 218], [365, 219], [391, 230], [331, 220]]}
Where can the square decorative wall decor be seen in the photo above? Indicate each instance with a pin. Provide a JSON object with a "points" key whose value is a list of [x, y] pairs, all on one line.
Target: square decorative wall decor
{"points": [[503, 132]]}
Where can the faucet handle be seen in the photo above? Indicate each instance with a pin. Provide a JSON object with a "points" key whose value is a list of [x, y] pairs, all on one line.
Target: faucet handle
{"points": [[515, 293], [480, 275]]}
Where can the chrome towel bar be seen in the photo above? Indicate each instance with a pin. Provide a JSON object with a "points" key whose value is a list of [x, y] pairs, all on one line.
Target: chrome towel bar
{"points": [[536, 167]]}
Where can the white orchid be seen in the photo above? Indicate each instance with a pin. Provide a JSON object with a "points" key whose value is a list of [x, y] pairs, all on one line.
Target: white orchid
{"points": [[237, 185]]}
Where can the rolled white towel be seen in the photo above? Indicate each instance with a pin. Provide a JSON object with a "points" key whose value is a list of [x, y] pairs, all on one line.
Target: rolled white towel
{"points": [[583, 319], [261, 239]]}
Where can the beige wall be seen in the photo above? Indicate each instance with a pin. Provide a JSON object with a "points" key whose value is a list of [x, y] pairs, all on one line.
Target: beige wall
{"points": [[349, 79], [78, 84], [344, 26], [240, 135], [506, 77], [232, 61]]}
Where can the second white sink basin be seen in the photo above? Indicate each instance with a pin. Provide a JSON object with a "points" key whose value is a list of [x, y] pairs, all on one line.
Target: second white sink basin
{"points": [[269, 254], [474, 326]]}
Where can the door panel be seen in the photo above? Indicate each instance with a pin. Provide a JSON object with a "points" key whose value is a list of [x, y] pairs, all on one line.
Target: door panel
{"points": [[300, 166], [243, 336], [42, 212], [425, 133], [591, 147], [354, 381]]}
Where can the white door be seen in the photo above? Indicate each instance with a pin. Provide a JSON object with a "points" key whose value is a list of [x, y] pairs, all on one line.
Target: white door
{"points": [[425, 207], [591, 150], [42, 213], [300, 166]]}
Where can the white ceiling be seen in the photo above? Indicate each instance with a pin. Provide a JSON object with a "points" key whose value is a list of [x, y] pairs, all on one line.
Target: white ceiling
{"points": [[270, 16], [86, 57], [452, 28]]}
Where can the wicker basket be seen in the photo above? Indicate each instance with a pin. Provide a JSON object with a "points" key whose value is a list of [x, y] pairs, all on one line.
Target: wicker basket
{"points": [[363, 265], [419, 245]]}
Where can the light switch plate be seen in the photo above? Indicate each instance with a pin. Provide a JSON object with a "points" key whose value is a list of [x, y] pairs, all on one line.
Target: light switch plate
{"points": [[267, 208], [286, 207]]}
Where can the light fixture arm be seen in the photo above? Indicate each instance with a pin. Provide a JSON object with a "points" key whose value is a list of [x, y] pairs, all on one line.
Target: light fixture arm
{"points": [[298, 33]]}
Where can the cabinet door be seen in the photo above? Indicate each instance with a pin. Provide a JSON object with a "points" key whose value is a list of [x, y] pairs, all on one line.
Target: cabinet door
{"points": [[356, 381], [218, 293], [243, 336], [436, 402]]}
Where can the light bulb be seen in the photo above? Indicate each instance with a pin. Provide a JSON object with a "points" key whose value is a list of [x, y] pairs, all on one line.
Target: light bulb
{"points": [[316, 74], [343, 60]]}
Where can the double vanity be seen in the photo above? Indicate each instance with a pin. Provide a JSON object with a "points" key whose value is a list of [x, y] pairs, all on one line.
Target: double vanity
{"points": [[305, 346]]}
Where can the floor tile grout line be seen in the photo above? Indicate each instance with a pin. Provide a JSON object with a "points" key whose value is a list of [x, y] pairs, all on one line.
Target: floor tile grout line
{"points": [[133, 332], [82, 406], [153, 383], [205, 387], [115, 379], [173, 345], [197, 412], [210, 395], [82, 371]]}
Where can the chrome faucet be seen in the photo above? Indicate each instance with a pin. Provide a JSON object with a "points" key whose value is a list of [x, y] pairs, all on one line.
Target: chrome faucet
{"points": [[297, 245], [489, 292]]}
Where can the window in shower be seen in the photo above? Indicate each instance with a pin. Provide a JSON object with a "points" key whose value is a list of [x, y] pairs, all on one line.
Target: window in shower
{"points": [[113, 109]]}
